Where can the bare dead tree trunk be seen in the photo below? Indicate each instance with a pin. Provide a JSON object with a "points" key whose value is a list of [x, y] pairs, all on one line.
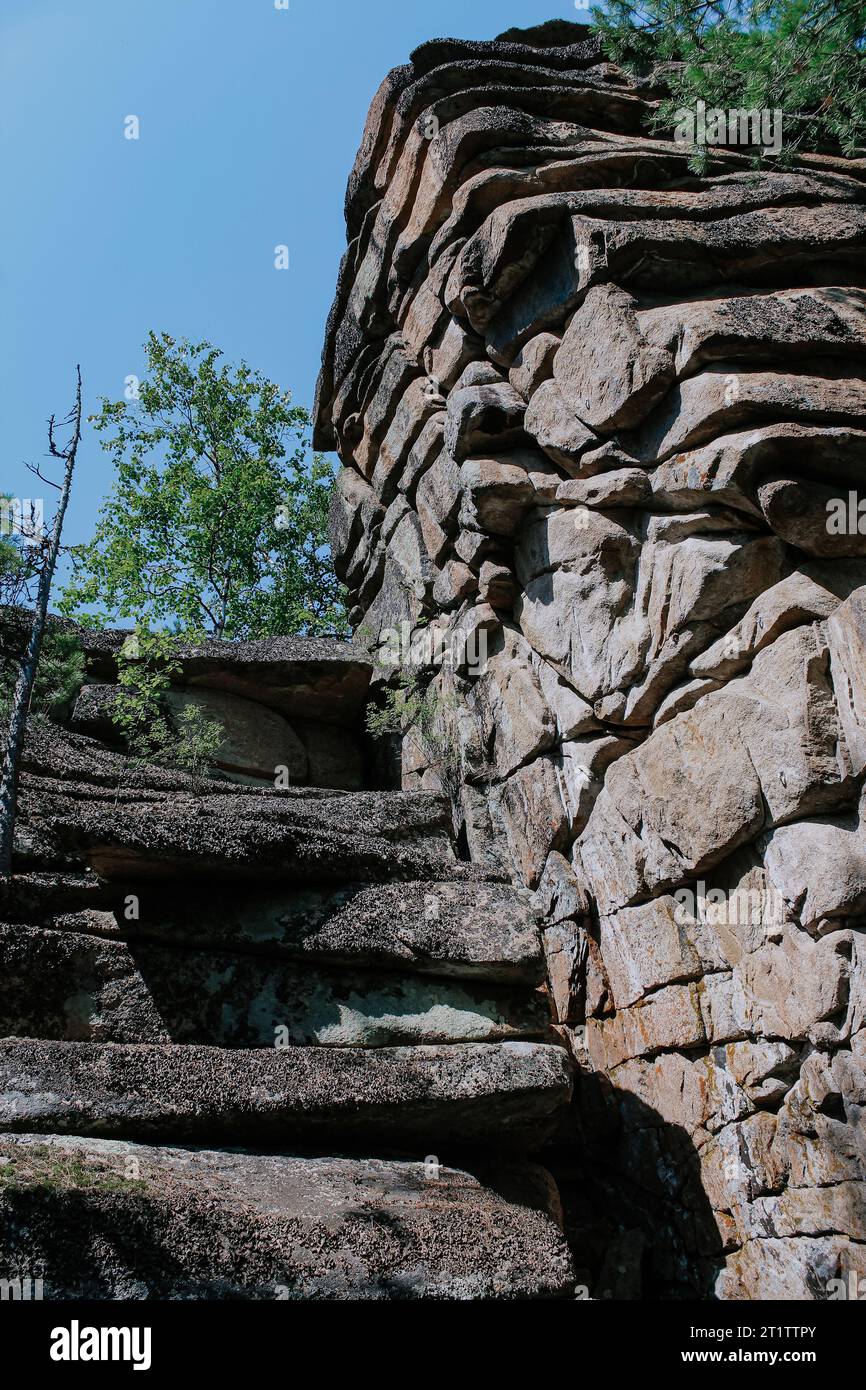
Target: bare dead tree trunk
{"points": [[27, 673]]}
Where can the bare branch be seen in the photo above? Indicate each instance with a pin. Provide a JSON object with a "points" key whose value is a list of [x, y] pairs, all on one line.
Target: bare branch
{"points": [[34, 468]]}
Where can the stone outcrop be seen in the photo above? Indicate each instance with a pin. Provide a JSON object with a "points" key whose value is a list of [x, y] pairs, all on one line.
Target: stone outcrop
{"points": [[294, 703], [267, 1041], [197, 1223], [594, 414], [455, 1094]]}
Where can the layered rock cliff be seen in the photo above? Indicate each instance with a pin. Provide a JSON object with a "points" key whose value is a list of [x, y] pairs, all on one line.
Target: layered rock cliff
{"points": [[259, 1040], [595, 414]]}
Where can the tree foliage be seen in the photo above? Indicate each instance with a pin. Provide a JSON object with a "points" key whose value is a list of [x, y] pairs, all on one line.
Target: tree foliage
{"points": [[416, 711], [803, 57], [197, 742], [146, 666], [19, 555], [217, 520], [59, 675]]}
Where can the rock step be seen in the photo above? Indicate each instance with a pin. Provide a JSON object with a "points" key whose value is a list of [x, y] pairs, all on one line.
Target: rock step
{"points": [[233, 832], [202, 1224], [38, 897], [472, 930], [97, 990], [458, 1094]]}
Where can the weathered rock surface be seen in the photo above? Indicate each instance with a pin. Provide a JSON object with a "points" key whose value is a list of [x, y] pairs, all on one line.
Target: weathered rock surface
{"points": [[293, 675], [115, 1220], [602, 425], [187, 960], [449, 1095], [163, 826], [107, 991], [666, 731], [257, 741], [468, 929], [287, 705]]}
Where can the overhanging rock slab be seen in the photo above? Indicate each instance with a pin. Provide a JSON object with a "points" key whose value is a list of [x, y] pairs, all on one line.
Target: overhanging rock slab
{"points": [[453, 1095], [467, 929]]}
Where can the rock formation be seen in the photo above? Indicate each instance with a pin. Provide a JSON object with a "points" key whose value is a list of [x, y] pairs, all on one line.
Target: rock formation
{"points": [[595, 415], [260, 1041]]}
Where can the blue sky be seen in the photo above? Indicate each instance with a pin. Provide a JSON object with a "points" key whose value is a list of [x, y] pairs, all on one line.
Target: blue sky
{"points": [[249, 121]]}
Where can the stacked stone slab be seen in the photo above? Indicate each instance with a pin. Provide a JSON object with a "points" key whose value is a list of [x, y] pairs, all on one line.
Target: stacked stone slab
{"points": [[260, 1042], [598, 412]]}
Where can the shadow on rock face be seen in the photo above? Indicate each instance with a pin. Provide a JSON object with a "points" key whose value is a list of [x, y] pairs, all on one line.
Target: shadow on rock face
{"points": [[94, 1218], [637, 1218]]}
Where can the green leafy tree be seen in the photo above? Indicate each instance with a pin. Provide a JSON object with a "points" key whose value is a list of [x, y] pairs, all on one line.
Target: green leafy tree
{"points": [[802, 57], [10, 550], [217, 520], [59, 673]]}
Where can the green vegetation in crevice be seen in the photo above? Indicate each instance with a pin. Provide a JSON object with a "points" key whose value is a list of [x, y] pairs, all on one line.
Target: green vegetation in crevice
{"points": [[417, 711], [147, 664]]}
